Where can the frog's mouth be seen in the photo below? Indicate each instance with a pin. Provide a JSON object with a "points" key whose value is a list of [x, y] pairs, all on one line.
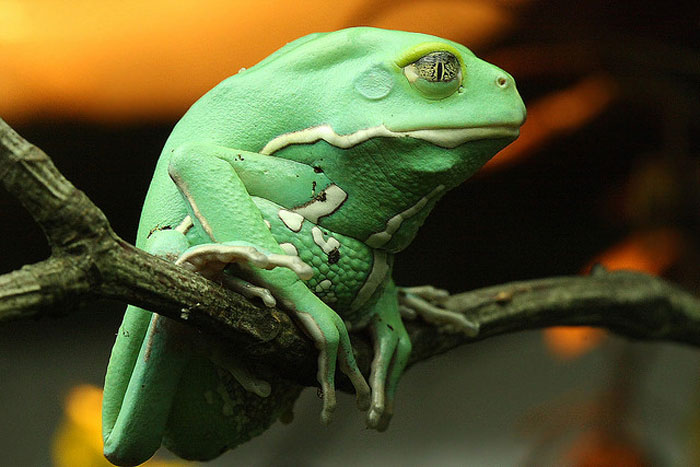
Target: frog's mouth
{"points": [[444, 137]]}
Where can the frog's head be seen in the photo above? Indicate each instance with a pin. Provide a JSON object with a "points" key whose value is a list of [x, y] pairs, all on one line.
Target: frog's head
{"points": [[425, 106]]}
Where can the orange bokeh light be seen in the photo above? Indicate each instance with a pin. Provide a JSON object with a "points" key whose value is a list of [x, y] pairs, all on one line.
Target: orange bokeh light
{"points": [[557, 114], [652, 252], [127, 59]]}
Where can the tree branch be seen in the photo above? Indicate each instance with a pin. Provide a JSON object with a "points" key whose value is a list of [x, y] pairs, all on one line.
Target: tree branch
{"points": [[89, 261]]}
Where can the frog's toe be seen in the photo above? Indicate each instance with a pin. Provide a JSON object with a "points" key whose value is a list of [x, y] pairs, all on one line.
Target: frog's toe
{"points": [[333, 343], [383, 353], [248, 290], [245, 378], [385, 418], [436, 315], [323, 332], [363, 394], [294, 263], [392, 349], [327, 395], [427, 292], [349, 367], [219, 352]]}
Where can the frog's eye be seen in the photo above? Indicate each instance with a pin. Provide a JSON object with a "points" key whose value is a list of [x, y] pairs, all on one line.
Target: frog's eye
{"points": [[437, 74]]}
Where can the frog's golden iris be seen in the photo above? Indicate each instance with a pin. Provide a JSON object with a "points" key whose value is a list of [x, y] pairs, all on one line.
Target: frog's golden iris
{"points": [[437, 74]]}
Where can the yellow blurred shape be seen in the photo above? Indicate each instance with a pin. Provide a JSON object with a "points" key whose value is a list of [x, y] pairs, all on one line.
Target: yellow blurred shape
{"points": [[570, 342], [78, 440], [557, 114], [129, 59]]}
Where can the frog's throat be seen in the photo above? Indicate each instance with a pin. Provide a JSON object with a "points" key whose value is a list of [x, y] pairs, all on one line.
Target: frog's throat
{"points": [[444, 137]]}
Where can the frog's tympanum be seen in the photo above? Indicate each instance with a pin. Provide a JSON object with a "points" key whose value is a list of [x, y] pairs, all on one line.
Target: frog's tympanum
{"points": [[296, 182]]}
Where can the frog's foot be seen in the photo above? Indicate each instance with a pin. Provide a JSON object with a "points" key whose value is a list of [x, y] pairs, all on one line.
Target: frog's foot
{"points": [[240, 373], [211, 259], [425, 301], [331, 339], [392, 347], [248, 290], [219, 352]]}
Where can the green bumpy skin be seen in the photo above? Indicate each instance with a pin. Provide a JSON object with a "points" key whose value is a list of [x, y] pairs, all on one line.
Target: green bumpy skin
{"points": [[330, 152]]}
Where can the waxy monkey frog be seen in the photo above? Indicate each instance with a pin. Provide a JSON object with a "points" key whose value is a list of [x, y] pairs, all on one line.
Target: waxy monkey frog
{"points": [[297, 181]]}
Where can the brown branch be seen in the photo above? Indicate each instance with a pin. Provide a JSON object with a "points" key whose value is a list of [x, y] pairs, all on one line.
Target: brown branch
{"points": [[89, 261]]}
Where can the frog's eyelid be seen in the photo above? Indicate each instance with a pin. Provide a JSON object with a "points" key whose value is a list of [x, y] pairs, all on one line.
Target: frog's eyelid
{"points": [[420, 50], [411, 73]]}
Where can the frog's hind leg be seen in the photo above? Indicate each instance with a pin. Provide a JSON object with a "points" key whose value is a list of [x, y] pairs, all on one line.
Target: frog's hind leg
{"points": [[133, 426], [143, 372]]}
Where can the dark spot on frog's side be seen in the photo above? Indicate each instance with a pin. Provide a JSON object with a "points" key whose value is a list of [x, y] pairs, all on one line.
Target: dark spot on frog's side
{"points": [[318, 170], [390, 326], [156, 228], [320, 197], [333, 256]]}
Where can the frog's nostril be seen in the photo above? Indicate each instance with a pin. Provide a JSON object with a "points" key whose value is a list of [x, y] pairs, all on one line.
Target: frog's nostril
{"points": [[502, 82]]}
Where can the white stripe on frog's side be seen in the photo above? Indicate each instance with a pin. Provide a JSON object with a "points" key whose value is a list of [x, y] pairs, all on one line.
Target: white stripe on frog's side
{"points": [[392, 225], [380, 268], [326, 245], [445, 137], [289, 249], [182, 186], [291, 219], [324, 204], [185, 226]]}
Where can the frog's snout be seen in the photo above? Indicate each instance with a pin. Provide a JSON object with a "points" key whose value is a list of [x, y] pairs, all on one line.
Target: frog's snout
{"points": [[506, 83]]}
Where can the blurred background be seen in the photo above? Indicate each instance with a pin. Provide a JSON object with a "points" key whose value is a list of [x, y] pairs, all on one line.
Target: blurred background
{"points": [[607, 170]]}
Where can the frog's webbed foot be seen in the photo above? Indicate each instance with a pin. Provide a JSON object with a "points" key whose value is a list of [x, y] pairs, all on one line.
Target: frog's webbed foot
{"points": [[426, 301], [218, 351], [211, 259], [392, 347], [331, 339]]}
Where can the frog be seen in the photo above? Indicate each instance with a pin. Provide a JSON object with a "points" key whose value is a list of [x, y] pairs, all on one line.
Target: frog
{"points": [[296, 182]]}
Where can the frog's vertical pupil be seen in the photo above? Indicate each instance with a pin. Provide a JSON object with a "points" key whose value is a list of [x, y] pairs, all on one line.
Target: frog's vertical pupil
{"points": [[439, 66]]}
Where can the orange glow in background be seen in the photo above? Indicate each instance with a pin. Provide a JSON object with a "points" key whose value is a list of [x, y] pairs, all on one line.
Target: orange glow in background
{"points": [[558, 114], [128, 59], [652, 252]]}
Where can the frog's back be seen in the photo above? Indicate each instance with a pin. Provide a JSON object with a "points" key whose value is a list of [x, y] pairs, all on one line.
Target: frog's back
{"points": [[231, 115]]}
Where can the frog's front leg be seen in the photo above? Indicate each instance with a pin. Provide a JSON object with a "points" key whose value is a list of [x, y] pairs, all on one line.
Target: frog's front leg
{"points": [[392, 347], [219, 204]]}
